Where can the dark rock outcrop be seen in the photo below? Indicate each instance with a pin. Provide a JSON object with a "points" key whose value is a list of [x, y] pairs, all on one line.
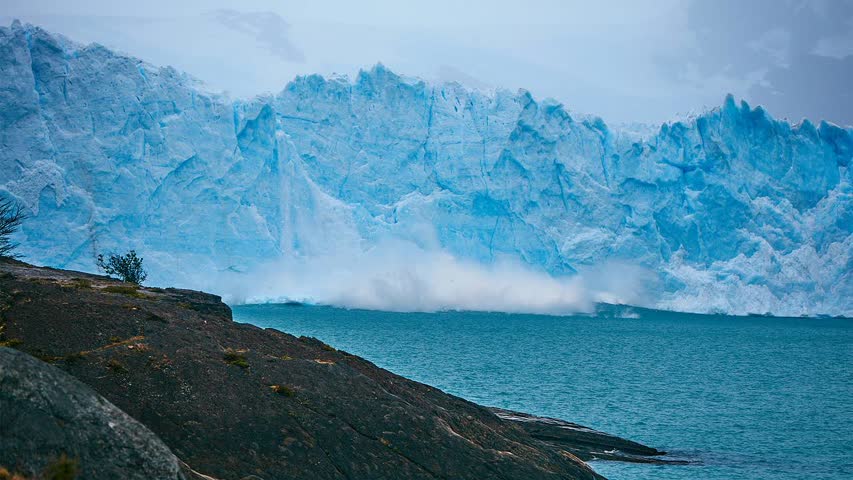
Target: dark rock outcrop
{"points": [[584, 442], [234, 400], [50, 422]]}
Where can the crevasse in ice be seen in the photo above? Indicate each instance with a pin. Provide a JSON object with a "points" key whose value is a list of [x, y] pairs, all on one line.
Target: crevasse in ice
{"points": [[731, 210]]}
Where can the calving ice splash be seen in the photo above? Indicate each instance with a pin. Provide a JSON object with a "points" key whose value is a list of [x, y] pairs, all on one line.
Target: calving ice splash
{"points": [[508, 202], [396, 276]]}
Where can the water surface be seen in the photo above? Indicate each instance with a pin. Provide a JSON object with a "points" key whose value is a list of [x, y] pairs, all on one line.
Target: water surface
{"points": [[747, 397]]}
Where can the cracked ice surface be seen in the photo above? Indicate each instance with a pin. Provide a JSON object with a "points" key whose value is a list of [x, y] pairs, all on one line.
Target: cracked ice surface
{"points": [[731, 211]]}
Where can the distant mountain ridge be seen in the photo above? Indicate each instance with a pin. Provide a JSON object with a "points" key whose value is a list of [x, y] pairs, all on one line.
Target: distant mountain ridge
{"points": [[732, 211]]}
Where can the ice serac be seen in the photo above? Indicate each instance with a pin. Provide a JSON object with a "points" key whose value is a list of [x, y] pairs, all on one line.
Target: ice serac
{"points": [[732, 210]]}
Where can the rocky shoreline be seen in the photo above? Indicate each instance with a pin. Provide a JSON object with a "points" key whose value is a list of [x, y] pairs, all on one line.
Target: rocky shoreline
{"points": [[234, 401]]}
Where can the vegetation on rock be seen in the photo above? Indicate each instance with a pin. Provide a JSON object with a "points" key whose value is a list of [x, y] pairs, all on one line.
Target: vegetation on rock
{"points": [[11, 217], [127, 267], [283, 390], [235, 357]]}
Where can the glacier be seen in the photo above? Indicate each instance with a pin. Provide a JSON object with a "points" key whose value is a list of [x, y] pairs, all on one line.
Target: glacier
{"points": [[728, 211]]}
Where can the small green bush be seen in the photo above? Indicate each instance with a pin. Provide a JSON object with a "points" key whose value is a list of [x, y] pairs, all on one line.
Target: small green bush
{"points": [[11, 217], [63, 468], [153, 317], [5, 474], [11, 343], [235, 357], [116, 367], [130, 291], [127, 267], [73, 357], [80, 283], [46, 357], [283, 390]]}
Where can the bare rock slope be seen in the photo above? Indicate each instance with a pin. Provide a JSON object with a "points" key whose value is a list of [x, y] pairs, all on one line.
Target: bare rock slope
{"points": [[233, 400], [52, 424]]}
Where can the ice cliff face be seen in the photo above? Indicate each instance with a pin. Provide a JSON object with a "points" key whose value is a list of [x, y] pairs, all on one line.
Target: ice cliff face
{"points": [[732, 210]]}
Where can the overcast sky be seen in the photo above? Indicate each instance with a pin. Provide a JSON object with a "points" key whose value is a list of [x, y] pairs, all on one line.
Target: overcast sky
{"points": [[645, 61]]}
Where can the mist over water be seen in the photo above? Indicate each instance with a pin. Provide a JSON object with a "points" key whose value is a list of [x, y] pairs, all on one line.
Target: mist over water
{"points": [[402, 277]]}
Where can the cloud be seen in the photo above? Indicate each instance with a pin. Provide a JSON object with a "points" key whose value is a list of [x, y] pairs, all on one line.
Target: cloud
{"points": [[625, 61], [792, 57], [268, 28]]}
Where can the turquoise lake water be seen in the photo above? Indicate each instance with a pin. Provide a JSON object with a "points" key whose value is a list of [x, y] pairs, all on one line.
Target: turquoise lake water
{"points": [[745, 397]]}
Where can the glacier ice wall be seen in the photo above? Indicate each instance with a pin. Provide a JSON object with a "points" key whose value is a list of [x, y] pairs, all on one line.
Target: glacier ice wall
{"points": [[732, 210]]}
